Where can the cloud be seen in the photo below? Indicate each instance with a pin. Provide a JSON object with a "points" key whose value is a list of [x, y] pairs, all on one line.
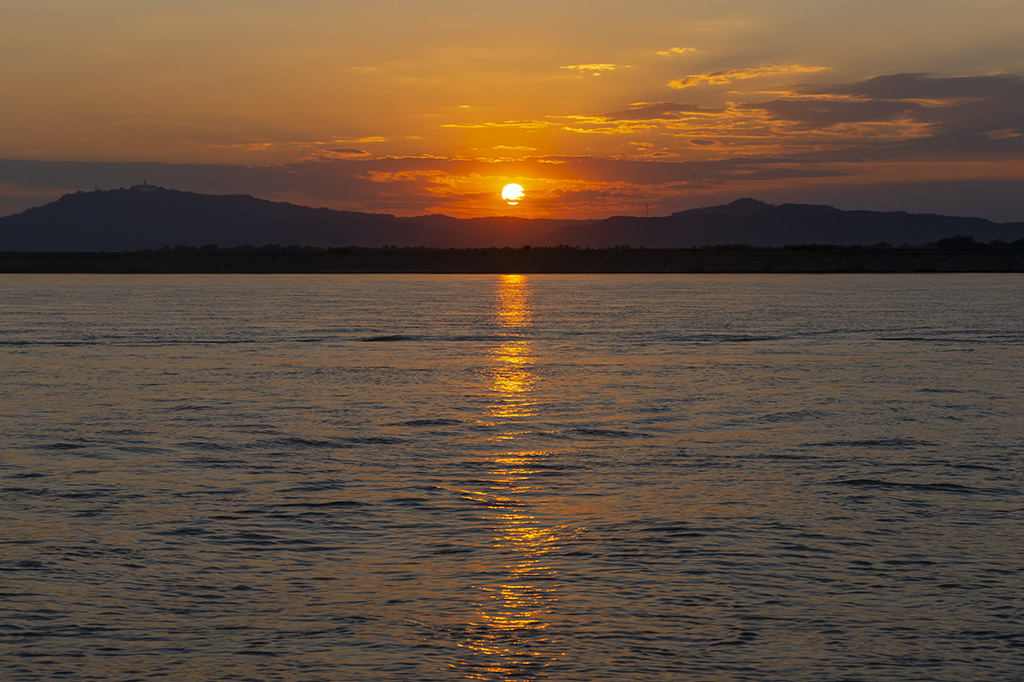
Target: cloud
{"points": [[919, 86], [676, 50], [1002, 134], [406, 185], [247, 146], [659, 111], [966, 117], [563, 186], [347, 152], [800, 139], [825, 113], [525, 125], [965, 105], [732, 75], [594, 69]]}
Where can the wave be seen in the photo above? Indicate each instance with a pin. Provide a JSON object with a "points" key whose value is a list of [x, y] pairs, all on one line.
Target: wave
{"points": [[899, 485], [428, 422], [894, 442], [385, 338]]}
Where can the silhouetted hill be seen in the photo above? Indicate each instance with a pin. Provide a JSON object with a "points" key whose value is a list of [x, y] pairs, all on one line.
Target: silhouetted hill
{"points": [[147, 217], [752, 222]]}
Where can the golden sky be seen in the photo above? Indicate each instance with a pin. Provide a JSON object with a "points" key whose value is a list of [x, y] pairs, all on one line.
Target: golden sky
{"points": [[595, 108]]}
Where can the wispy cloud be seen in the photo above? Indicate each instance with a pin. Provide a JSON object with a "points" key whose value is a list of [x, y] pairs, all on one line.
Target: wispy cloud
{"points": [[594, 69], [340, 153], [246, 146], [732, 75], [659, 111], [526, 125], [676, 50]]}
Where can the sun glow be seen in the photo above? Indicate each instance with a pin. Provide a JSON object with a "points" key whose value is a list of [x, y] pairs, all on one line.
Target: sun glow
{"points": [[512, 193]]}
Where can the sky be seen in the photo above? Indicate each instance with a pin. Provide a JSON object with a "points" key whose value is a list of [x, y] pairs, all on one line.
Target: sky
{"points": [[596, 108]]}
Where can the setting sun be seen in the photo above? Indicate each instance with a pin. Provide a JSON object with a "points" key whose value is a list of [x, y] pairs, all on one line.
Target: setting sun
{"points": [[512, 194]]}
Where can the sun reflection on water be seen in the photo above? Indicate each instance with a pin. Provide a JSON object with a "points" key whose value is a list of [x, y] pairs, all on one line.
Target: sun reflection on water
{"points": [[511, 362], [514, 301], [508, 638]]}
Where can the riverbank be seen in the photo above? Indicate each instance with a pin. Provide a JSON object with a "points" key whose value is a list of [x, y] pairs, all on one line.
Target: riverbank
{"points": [[725, 259]]}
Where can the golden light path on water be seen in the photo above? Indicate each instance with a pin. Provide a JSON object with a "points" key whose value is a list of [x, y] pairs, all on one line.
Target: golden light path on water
{"points": [[508, 638]]}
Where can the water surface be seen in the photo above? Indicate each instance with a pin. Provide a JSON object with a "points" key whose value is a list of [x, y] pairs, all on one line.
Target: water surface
{"points": [[650, 477]]}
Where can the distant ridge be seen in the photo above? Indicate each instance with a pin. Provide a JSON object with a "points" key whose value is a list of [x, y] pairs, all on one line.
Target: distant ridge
{"points": [[150, 217], [755, 223]]}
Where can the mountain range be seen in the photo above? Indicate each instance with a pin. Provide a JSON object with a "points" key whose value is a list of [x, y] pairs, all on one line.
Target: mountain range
{"points": [[149, 217]]}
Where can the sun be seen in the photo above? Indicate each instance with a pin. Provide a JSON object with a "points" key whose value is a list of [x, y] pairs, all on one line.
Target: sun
{"points": [[512, 194]]}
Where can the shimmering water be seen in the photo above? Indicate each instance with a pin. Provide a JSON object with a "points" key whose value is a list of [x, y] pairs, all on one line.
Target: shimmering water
{"points": [[318, 478]]}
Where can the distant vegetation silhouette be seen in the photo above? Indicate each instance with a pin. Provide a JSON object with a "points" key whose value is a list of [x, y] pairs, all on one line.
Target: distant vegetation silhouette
{"points": [[954, 254]]}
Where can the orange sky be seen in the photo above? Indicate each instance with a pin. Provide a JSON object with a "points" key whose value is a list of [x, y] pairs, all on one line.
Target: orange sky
{"points": [[594, 108]]}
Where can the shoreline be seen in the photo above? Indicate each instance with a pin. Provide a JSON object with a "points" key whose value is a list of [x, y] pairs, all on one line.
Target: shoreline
{"points": [[553, 260]]}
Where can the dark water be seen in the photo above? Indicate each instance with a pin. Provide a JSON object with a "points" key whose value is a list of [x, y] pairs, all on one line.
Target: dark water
{"points": [[556, 478]]}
